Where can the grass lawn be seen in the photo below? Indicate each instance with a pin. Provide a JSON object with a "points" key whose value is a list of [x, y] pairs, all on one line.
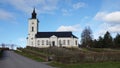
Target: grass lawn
{"points": [[88, 65]]}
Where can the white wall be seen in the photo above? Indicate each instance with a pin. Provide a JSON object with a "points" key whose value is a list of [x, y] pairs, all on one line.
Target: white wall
{"points": [[31, 34], [48, 42]]}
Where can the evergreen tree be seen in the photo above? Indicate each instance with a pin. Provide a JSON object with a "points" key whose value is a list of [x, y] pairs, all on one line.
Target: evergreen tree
{"points": [[100, 43], [95, 43], [107, 40], [117, 41], [86, 37]]}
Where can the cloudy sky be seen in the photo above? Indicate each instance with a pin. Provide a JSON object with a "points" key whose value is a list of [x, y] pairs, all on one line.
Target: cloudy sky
{"points": [[58, 15]]}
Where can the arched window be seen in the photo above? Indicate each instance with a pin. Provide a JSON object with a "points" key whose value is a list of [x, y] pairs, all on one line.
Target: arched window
{"points": [[32, 28]]}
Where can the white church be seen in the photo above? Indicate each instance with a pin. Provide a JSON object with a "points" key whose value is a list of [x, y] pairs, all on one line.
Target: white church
{"points": [[48, 39]]}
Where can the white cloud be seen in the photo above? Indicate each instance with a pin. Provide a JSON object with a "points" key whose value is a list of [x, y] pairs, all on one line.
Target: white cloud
{"points": [[69, 28], [100, 15], [44, 6], [111, 22], [78, 5], [107, 27], [22, 39], [114, 29], [113, 17], [5, 15], [66, 12]]}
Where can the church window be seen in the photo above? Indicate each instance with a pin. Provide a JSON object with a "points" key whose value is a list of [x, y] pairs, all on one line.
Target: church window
{"points": [[47, 42], [42, 42], [38, 42], [60, 42], [68, 42], [64, 42], [32, 28], [76, 42]]}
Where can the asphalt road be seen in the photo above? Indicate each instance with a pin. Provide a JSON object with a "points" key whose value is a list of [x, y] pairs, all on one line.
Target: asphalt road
{"points": [[13, 60]]}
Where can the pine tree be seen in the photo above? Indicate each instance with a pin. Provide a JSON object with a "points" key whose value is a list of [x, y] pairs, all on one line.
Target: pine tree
{"points": [[117, 41], [95, 43], [100, 43], [107, 40]]}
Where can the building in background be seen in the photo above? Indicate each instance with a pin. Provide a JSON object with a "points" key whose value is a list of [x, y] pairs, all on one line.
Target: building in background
{"points": [[47, 39]]}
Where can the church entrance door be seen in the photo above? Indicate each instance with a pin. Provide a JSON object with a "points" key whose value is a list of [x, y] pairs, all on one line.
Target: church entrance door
{"points": [[53, 43]]}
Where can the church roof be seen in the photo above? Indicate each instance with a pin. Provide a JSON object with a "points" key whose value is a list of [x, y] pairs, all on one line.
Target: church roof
{"points": [[58, 34]]}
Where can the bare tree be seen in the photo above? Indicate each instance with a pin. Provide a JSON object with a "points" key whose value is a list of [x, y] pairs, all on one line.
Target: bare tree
{"points": [[86, 37]]}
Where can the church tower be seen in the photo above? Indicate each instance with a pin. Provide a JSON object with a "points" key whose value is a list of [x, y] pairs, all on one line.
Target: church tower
{"points": [[32, 29]]}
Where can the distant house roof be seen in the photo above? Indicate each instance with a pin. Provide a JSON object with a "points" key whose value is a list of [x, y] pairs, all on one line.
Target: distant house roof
{"points": [[58, 34]]}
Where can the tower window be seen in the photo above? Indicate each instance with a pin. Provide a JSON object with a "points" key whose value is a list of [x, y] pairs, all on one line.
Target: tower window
{"points": [[32, 28]]}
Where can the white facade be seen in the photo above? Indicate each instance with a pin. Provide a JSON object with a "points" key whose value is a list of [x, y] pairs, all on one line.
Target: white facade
{"points": [[53, 40]]}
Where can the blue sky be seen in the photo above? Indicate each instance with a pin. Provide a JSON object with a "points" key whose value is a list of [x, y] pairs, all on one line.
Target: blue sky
{"points": [[58, 15]]}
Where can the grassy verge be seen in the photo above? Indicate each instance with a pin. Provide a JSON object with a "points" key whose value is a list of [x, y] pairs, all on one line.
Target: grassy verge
{"points": [[88, 65], [30, 56]]}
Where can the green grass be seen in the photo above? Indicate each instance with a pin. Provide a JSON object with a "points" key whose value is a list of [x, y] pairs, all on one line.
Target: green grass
{"points": [[88, 65], [31, 56]]}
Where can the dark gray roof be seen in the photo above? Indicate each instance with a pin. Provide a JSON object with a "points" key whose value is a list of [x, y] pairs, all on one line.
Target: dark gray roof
{"points": [[58, 34]]}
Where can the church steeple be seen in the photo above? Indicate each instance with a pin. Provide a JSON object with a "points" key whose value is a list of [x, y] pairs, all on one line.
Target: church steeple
{"points": [[34, 14]]}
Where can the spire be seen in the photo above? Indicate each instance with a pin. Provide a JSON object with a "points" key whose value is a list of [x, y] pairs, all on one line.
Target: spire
{"points": [[34, 14]]}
